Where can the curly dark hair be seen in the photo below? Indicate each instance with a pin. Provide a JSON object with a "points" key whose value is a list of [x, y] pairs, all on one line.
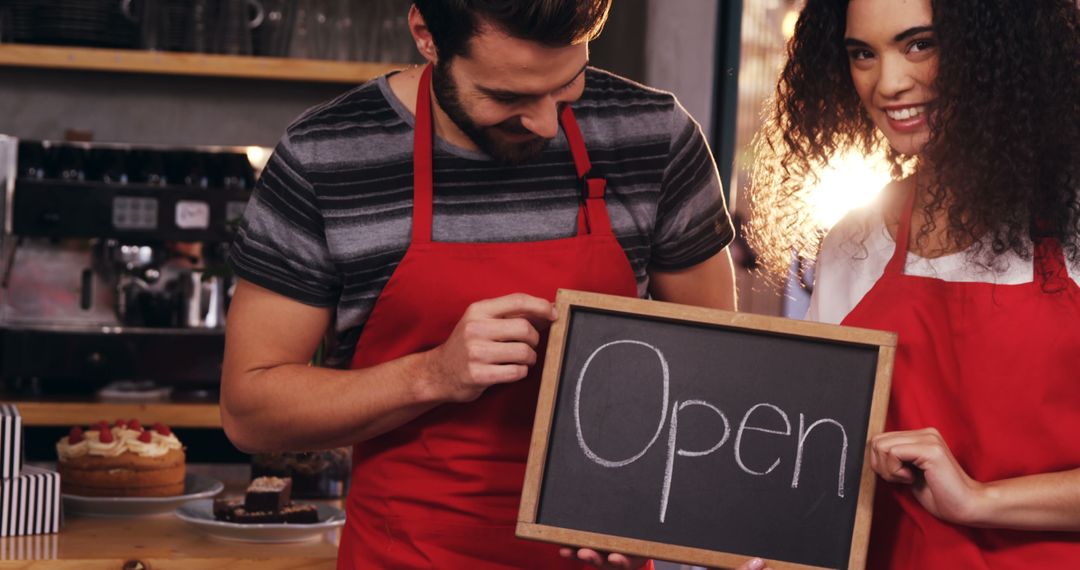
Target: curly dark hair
{"points": [[1004, 142]]}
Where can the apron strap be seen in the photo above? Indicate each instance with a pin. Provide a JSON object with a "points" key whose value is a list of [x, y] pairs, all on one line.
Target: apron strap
{"points": [[903, 234], [1049, 265], [592, 214], [423, 184]]}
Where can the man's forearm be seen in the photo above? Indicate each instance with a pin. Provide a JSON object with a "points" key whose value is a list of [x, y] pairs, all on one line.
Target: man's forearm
{"points": [[300, 407]]}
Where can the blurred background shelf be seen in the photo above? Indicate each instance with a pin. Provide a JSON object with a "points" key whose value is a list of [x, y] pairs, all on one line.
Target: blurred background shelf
{"points": [[191, 64], [69, 411]]}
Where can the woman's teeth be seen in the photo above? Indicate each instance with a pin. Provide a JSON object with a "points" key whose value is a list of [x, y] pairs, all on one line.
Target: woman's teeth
{"points": [[905, 114]]}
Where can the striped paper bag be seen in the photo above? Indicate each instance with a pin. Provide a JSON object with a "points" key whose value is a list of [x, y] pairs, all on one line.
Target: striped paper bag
{"points": [[30, 503], [11, 453]]}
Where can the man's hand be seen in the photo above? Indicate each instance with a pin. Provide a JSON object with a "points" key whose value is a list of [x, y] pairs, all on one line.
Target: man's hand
{"points": [[624, 562], [493, 343]]}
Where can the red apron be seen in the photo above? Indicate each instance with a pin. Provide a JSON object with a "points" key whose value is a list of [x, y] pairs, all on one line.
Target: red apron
{"points": [[996, 369], [442, 491]]}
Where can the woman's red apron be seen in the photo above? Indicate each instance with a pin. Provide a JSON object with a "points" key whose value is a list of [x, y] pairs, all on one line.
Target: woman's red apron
{"points": [[442, 491], [996, 369]]}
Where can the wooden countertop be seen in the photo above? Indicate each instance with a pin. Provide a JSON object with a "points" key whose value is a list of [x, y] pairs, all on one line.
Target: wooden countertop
{"points": [[159, 542], [162, 542]]}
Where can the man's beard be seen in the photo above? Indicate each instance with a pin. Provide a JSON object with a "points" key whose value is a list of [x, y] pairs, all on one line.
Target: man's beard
{"points": [[446, 93]]}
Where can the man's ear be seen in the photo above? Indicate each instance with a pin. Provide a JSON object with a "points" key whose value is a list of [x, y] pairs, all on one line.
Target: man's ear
{"points": [[422, 36]]}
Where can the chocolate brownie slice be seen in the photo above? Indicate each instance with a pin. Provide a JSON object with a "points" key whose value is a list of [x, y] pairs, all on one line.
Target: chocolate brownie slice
{"points": [[301, 514], [268, 494], [243, 516], [225, 509]]}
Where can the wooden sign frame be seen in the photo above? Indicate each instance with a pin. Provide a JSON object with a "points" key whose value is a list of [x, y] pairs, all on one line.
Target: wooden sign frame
{"points": [[566, 301]]}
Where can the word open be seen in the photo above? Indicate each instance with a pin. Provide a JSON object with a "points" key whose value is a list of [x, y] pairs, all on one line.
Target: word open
{"points": [[750, 422]]}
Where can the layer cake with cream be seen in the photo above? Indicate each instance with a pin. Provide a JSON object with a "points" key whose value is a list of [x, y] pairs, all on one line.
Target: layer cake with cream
{"points": [[122, 460]]}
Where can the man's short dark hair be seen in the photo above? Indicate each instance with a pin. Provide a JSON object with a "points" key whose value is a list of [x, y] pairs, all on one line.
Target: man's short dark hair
{"points": [[554, 23]]}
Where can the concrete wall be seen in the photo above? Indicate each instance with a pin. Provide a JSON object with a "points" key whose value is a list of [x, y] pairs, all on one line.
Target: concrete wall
{"points": [[679, 55]]}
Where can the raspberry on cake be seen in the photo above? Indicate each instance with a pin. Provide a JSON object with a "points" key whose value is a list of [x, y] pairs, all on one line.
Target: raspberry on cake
{"points": [[123, 460]]}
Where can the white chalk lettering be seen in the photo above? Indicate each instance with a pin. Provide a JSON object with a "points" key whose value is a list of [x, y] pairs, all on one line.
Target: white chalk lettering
{"points": [[672, 451], [743, 427], [799, 454], [673, 430], [577, 406]]}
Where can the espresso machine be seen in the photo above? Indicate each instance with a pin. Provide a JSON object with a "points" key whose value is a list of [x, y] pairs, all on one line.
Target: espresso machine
{"points": [[112, 264]]}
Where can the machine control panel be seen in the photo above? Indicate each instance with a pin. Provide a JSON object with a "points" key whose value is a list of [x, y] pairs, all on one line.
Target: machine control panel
{"points": [[134, 213]]}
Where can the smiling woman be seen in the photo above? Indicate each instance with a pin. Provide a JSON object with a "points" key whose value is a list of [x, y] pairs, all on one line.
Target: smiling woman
{"points": [[972, 89], [894, 74], [971, 254]]}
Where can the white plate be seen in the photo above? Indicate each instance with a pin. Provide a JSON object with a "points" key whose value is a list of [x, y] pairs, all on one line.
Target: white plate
{"points": [[195, 487], [201, 514]]}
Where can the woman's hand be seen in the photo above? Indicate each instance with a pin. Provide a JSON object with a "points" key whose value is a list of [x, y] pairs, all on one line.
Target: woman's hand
{"points": [[922, 459], [622, 561]]}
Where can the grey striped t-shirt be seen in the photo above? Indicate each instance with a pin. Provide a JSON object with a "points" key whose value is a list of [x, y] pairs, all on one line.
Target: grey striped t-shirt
{"points": [[330, 217]]}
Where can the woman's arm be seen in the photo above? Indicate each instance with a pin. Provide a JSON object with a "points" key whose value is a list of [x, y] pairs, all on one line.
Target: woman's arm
{"points": [[922, 459]]}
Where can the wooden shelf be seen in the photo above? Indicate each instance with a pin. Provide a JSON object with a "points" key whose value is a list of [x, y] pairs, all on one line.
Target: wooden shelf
{"points": [[69, 413], [192, 64]]}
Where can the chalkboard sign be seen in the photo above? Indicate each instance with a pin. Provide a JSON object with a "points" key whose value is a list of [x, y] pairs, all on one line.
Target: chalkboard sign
{"points": [[703, 436]]}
